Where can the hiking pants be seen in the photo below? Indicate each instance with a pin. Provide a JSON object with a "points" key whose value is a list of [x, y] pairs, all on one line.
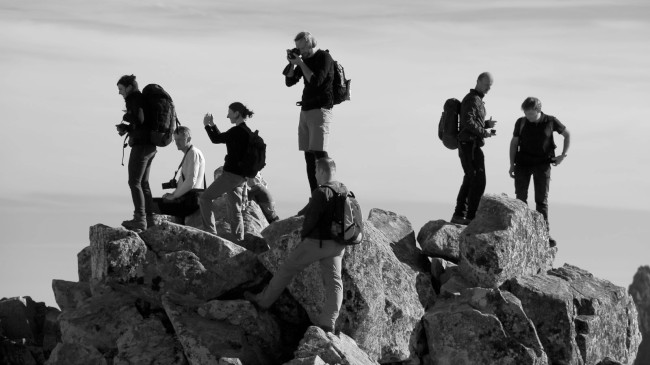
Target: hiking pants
{"points": [[541, 179], [261, 195], [330, 258], [139, 166], [473, 186], [233, 185]]}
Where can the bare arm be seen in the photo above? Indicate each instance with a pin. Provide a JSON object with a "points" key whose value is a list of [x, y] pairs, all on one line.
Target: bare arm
{"points": [[565, 147], [514, 143]]}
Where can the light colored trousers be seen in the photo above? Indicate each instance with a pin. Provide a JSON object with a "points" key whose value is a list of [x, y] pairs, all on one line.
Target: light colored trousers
{"points": [[330, 257], [233, 185]]}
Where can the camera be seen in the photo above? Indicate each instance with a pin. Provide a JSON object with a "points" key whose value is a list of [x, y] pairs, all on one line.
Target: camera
{"points": [[169, 185], [293, 53]]}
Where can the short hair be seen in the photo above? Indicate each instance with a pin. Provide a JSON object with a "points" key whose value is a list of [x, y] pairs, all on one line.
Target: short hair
{"points": [[311, 41], [483, 75], [326, 164], [242, 109], [531, 103], [183, 130], [128, 80]]}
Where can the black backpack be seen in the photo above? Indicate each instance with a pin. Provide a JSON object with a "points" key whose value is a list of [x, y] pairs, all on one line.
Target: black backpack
{"points": [[159, 114], [347, 222], [340, 85], [255, 158], [448, 125]]}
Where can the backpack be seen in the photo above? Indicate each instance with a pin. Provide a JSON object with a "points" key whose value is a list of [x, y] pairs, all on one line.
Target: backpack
{"points": [[340, 85], [159, 114], [254, 159], [347, 222], [448, 125]]}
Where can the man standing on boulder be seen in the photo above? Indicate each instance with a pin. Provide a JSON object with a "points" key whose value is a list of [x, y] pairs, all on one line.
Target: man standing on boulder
{"points": [[316, 67], [473, 131], [317, 245], [532, 151]]}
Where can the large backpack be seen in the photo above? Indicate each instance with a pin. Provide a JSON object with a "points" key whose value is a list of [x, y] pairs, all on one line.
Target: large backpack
{"points": [[254, 159], [448, 125], [159, 114], [340, 85], [347, 222]]}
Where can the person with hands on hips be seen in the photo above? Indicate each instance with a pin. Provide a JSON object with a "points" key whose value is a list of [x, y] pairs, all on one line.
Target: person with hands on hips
{"points": [[532, 152]]}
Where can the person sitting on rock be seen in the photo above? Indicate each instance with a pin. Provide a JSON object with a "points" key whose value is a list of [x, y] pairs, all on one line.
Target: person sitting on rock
{"points": [[183, 201], [532, 152], [317, 245], [231, 181], [257, 191]]}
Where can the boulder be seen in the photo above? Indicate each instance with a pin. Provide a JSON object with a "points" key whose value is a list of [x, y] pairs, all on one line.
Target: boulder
{"points": [[441, 239], [188, 260], [84, 264], [17, 319], [312, 360], [15, 353], [149, 343], [51, 331], [439, 267], [481, 326], [579, 318], [70, 295], [384, 298], [640, 292], [75, 354], [320, 347], [205, 340], [505, 240], [117, 254], [229, 361]]}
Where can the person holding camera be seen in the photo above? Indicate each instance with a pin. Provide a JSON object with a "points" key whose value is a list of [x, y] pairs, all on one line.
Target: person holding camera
{"points": [[142, 153], [232, 180], [532, 152], [316, 68], [184, 200], [473, 131]]}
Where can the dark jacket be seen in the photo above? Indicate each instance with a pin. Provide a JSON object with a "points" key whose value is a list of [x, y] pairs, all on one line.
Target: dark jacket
{"points": [[318, 93], [318, 217], [236, 140], [472, 118], [139, 131]]}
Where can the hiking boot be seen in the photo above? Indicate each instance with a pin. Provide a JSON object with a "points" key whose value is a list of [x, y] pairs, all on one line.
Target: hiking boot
{"points": [[551, 242], [456, 219], [136, 225]]}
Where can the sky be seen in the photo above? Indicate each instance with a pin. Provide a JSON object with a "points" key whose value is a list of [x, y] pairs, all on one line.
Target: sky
{"points": [[61, 156]]}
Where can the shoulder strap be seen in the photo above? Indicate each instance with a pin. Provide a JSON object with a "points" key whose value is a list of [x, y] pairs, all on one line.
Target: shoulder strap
{"points": [[181, 164]]}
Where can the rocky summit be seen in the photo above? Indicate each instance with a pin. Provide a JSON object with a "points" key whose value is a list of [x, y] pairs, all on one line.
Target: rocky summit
{"points": [[486, 293]]}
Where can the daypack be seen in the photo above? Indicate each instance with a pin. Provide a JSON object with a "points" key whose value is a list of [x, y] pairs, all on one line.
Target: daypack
{"points": [[347, 222], [448, 125], [255, 158], [340, 85], [159, 114]]}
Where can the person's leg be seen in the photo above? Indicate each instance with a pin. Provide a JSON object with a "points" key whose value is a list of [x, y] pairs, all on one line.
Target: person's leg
{"points": [[268, 209], [477, 182], [146, 189], [464, 154], [235, 206], [223, 184], [542, 181], [318, 126], [331, 275], [139, 161], [522, 182], [303, 145], [310, 161]]}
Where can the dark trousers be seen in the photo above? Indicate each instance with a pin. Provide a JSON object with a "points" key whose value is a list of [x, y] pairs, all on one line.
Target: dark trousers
{"points": [[541, 179], [473, 186], [139, 166], [310, 159]]}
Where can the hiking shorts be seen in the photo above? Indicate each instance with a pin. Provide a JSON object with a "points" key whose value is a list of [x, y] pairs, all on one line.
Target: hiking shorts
{"points": [[314, 129]]}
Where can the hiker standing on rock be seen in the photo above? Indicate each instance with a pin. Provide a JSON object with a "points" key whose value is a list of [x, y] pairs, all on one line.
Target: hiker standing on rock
{"points": [[532, 152], [316, 67], [471, 137], [232, 180], [142, 153], [317, 244]]}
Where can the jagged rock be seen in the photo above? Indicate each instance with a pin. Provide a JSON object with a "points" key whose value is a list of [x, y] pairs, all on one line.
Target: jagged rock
{"points": [[640, 292], [481, 326], [439, 267], [188, 260], [70, 295], [100, 320], [455, 285], [441, 239], [84, 264], [205, 341], [312, 360], [609, 361], [17, 318], [75, 354], [15, 353], [331, 349], [51, 331], [149, 343], [505, 240], [229, 361], [381, 305], [579, 318], [117, 254]]}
